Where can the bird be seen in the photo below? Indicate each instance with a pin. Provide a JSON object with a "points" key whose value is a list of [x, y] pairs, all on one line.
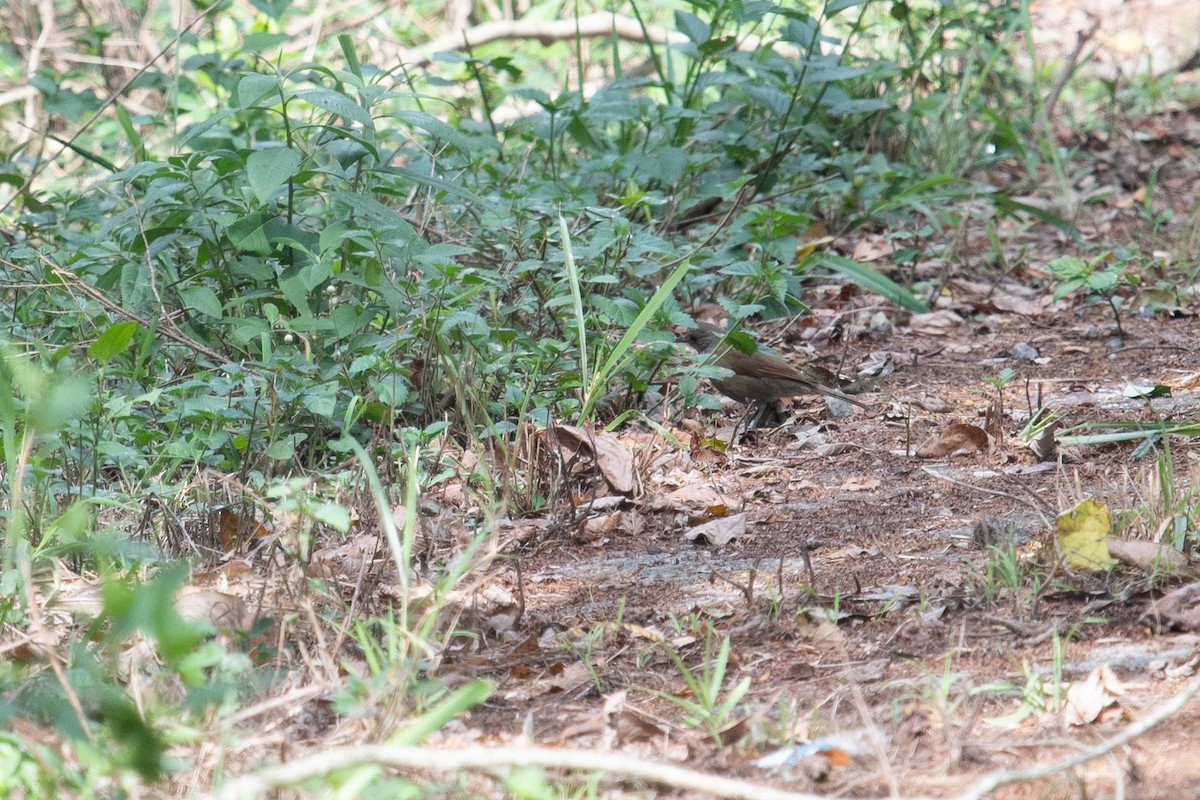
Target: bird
{"points": [[758, 376]]}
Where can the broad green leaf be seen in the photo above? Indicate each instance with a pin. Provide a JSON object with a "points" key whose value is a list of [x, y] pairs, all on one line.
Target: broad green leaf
{"points": [[202, 299], [338, 104], [269, 169], [254, 87], [113, 341], [692, 27]]}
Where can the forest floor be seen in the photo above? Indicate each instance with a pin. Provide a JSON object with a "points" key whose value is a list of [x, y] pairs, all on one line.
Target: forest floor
{"points": [[889, 581]]}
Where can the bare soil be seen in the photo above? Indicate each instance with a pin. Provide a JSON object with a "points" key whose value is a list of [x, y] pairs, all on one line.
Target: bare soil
{"points": [[863, 591]]}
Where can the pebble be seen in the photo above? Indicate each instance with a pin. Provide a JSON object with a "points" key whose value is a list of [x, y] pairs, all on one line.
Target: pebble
{"points": [[1023, 351]]}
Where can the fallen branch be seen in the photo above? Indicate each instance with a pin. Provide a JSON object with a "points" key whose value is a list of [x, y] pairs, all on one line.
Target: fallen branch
{"points": [[589, 26], [488, 758], [990, 783], [423, 759]]}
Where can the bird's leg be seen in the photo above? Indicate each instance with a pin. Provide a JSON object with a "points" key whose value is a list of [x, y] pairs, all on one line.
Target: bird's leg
{"points": [[743, 417], [763, 408]]}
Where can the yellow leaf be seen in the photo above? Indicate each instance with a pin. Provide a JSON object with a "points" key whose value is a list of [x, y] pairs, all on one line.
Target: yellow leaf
{"points": [[806, 249], [1081, 534]]}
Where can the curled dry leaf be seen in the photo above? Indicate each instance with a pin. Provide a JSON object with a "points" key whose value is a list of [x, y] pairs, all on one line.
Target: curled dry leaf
{"points": [[695, 499], [523, 531], [346, 560], [956, 439], [860, 483], [223, 611], [719, 531], [1086, 701], [625, 725], [1156, 558], [1179, 610], [600, 528], [987, 296], [613, 460], [935, 323]]}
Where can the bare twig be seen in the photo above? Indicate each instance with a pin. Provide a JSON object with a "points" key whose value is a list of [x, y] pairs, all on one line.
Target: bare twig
{"points": [[990, 783], [164, 326], [599, 23], [315, 765], [1081, 39]]}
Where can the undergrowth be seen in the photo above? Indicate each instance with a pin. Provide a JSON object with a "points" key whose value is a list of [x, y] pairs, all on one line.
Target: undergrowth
{"points": [[259, 276]]}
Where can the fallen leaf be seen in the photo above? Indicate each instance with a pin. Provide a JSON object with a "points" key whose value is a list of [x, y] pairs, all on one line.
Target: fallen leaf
{"points": [[956, 439], [719, 531], [1002, 298], [860, 484], [1155, 558], [696, 499], [935, 323], [1179, 610], [613, 460], [1082, 536], [233, 529], [1086, 700], [600, 528]]}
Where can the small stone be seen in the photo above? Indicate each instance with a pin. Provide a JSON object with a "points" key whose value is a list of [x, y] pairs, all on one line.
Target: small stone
{"points": [[1023, 351], [881, 325]]}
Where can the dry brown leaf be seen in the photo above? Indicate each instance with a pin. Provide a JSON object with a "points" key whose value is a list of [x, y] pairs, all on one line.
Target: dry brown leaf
{"points": [[559, 678], [1002, 298], [613, 460], [223, 611], [696, 499], [935, 323], [958, 438], [626, 725], [1178, 610], [601, 528], [1156, 558], [852, 552], [872, 248], [1086, 700], [345, 560], [234, 529], [719, 531], [860, 484], [816, 628]]}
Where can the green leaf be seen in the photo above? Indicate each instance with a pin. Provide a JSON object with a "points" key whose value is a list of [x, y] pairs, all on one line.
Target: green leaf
{"points": [[113, 341], [1066, 287], [692, 27], [338, 104], [841, 5], [1067, 267], [202, 299], [440, 130], [461, 699], [332, 514], [872, 280], [254, 87], [269, 169], [66, 398]]}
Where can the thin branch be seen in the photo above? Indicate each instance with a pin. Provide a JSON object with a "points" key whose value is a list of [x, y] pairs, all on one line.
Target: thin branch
{"points": [[990, 783], [596, 24], [487, 758], [316, 765]]}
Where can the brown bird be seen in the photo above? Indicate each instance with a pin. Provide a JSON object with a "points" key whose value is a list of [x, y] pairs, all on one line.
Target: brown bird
{"points": [[758, 376]]}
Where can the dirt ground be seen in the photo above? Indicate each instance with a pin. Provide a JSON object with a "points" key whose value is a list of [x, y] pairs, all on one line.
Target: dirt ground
{"points": [[861, 593], [892, 542]]}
